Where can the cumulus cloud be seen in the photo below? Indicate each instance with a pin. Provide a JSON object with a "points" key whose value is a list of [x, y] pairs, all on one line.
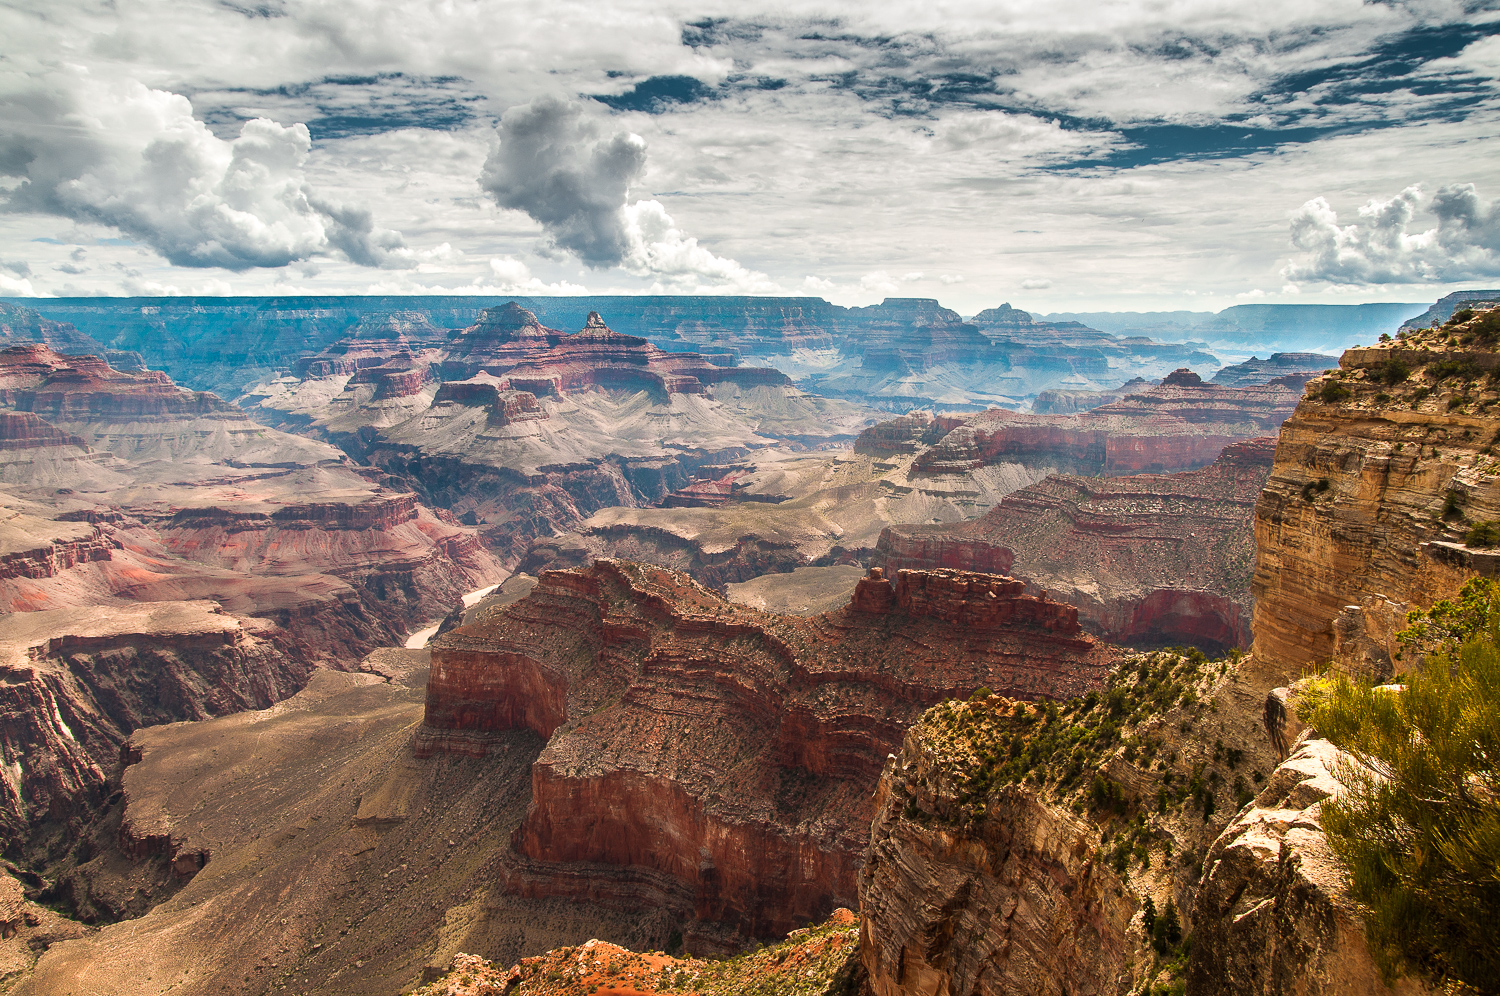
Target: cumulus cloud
{"points": [[135, 159], [555, 162], [1379, 248], [1036, 283], [511, 276]]}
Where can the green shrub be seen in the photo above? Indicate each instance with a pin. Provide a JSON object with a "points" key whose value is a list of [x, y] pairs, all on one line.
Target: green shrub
{"points": [[1419, 830], [1483, 534], [1392, 371], [1332, 391]]}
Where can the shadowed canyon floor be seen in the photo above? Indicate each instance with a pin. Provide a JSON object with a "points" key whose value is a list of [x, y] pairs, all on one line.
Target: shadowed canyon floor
{"points": [[333, 861]]}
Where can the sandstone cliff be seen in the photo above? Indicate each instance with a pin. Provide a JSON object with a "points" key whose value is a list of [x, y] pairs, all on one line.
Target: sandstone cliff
{"points": [[717, 760], [1381, 477], [1014, 848], [76, 684], [1147, 558]]}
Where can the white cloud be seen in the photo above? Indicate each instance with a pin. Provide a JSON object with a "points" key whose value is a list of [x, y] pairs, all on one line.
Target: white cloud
{"points": [[135, 159], [878, 282], [16, 286], [1036, 283], [511, 276], [1464, 244], [952, 278]]}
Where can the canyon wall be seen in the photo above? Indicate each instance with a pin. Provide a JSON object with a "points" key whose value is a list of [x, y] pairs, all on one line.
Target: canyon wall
{"points": [[714, 759], [1015, 849], [1147, 559], [1380, 479], [76, 684]]}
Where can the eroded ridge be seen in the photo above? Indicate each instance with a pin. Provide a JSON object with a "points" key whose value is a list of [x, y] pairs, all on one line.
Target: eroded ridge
{"points": [[716, 759]]}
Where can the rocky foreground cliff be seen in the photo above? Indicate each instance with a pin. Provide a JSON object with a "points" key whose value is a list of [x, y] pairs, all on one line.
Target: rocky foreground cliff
{"points": [[1384, 496]]}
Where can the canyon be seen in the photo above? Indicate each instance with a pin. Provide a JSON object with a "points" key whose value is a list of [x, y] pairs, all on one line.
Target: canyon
{"points": [[919, 354], [775, 512], [524, 431], [767, 777], [123, 498], [616, 750], [1148, 559]]}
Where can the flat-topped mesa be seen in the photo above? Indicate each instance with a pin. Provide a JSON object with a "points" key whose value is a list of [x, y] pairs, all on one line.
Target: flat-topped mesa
{"points": [[963, 598], [506, 407], [905, 434], [981, 601], [399, 376], [713, 758], [1385, 496]]}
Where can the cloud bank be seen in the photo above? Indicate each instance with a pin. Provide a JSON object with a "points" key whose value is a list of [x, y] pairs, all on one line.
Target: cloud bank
{"points": [[135, 159], [1379, 248], [555, 162]]}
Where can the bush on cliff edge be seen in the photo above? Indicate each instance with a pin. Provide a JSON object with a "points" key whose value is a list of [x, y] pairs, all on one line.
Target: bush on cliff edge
{"points": [[1419, 830]]}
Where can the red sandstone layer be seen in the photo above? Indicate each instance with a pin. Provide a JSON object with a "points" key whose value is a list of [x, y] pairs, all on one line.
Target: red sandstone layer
{"points": [[718, 759], [1149, 558]]}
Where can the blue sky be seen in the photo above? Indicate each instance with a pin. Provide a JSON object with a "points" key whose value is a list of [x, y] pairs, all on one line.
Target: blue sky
{"points": [[1060, 156]]}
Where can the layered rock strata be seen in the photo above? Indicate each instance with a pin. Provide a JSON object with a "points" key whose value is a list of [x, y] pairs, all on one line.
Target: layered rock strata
{"points": [[1147, 559], [1380, 480], [76, 684], [1014, 849], [715, 759], [528, 429], [131, 489], [1181, 424], [921, 468]]}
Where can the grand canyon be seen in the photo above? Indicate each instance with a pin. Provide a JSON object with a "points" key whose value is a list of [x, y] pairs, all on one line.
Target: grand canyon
{"points": [[456, 648], [759, 499]]}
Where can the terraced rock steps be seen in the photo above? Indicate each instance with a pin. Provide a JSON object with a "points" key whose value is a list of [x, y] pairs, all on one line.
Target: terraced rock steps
{"points": [[716, 760]]}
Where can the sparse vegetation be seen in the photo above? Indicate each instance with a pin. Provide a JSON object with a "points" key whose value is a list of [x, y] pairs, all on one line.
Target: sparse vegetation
{"points": [[1419, 830], [1332, 391]]}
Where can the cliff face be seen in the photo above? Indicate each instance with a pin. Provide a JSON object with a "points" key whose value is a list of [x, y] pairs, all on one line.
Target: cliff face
{"points": [[1149, 558], [715, 759], [1380, 477], [1014, 849], [1181, 424], [1273, 915], [77, 684], [144, 492]]}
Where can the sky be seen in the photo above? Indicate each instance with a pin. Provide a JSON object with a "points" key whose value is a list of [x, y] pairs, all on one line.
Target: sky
{"points": [[1059, 156]]}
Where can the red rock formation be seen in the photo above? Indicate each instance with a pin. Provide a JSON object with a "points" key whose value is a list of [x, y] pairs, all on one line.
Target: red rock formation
{"points": [[906, 434], [81, 388], [600, 357], [1146, 558], [1180, 425], [76, 684], [716, 759], [24, 431]]}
